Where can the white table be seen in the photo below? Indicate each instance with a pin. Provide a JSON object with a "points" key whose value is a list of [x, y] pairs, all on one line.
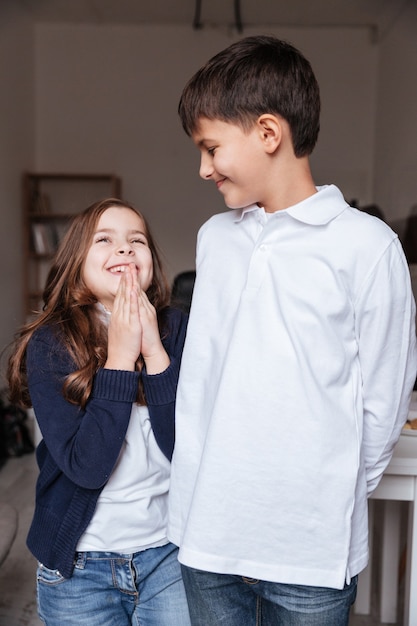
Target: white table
{"points": [[399, 483]]}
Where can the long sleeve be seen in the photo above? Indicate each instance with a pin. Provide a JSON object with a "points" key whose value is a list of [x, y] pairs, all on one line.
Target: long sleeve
{"points": [[84, 444], [385, 317], [81, 447]]}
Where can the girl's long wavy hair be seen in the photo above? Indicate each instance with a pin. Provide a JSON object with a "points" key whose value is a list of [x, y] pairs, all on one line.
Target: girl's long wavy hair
{"points": [[70, 307]]}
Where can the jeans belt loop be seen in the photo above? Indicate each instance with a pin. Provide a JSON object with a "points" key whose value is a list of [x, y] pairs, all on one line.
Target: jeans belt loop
{"points": [[80, 560]]}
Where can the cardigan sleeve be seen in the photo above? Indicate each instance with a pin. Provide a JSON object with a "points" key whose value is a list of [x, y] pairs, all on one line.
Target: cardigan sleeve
{"points": [[161, 389], [85, 444]]}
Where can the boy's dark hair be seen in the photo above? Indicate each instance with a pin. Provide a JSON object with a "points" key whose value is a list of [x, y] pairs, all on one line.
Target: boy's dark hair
{"points": [[256, 75]]}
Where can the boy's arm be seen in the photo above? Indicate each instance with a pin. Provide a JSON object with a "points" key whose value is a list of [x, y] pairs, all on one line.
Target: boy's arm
{"points": [[387, 349]]}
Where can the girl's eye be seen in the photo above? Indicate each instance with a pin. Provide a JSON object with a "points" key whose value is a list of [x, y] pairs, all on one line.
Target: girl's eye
{"points": [[211, 151], [140, 240], [102, 238]]}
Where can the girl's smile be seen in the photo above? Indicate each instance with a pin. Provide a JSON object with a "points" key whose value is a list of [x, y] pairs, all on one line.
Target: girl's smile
{"points": [[119, 269], [119, 241]]}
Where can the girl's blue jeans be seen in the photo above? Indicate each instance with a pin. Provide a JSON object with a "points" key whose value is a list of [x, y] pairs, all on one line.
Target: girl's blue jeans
{"points": [[216, 599], [108, 589]]}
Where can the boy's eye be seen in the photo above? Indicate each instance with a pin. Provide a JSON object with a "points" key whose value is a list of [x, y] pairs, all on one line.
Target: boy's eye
{"points": [[211, 151]]}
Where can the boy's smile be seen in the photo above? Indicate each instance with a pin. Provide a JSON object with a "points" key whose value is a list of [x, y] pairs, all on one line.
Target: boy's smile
{"points": [[255, 165], [234, 159]]}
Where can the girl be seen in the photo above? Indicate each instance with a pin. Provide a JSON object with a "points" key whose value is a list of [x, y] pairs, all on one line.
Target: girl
{"points": [[100, 367]]}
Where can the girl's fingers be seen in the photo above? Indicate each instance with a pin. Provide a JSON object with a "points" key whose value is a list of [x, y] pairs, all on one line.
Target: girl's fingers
{"points": [[135, 281], [125, 330], [125, 301]]}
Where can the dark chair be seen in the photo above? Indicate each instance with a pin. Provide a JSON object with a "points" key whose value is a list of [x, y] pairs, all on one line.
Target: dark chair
{"points": [[373, 209], [182, 290], [410, 237]]}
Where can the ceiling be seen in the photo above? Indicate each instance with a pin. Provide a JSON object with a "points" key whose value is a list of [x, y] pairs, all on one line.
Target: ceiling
{"points": [[379, 15]]}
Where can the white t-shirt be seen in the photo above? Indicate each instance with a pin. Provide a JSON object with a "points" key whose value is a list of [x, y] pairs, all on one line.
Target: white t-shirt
{"points": [[296, 376], [131, 513]]}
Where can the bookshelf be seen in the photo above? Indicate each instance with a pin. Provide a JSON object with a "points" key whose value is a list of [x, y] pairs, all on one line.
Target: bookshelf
{"points": [[50, 200]]}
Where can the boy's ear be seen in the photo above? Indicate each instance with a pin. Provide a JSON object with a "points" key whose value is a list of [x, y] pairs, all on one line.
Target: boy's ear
{"points": [[270, 131]]}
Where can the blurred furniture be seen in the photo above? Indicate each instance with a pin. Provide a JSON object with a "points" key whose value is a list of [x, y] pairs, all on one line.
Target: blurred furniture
{"points": [[410, 236], [50, 200], [373, 209], [8, 529], [399, 483], [182, 290]]}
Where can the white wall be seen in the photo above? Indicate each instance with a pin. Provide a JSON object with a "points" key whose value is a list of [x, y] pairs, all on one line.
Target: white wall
{"points": [[107, 101], [16, 154], [396, 137]]}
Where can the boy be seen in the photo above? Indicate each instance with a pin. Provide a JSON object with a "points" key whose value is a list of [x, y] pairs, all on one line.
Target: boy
{"points": [[299, 361]]}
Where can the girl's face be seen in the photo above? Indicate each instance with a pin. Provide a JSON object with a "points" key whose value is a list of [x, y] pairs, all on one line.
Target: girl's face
{"points": [[119, 239]]}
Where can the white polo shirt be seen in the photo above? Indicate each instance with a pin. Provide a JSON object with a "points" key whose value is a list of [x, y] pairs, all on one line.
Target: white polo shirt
{"points": [[295, 382]]}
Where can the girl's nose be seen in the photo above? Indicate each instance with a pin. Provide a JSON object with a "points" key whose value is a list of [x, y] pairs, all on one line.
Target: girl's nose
{"points": [[206, 167], [125, 249]]}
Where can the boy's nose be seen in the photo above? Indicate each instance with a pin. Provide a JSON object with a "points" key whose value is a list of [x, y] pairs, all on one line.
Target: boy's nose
{"points": [[206, 168]]}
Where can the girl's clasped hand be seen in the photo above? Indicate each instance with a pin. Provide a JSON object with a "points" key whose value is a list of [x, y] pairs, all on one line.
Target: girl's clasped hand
{"points": [[133, 328]]}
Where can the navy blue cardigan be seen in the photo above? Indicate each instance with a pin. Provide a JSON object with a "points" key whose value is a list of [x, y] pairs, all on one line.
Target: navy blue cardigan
{"points": [[80, 447]]}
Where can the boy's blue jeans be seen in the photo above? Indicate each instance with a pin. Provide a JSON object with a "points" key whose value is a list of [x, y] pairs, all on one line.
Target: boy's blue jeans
{"points": [[107, 588], [216, 599]]}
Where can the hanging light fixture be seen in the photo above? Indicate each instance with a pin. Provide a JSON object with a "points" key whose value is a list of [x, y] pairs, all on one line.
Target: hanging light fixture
{"points": [[197, 15], [238, 16], [198, 24]]}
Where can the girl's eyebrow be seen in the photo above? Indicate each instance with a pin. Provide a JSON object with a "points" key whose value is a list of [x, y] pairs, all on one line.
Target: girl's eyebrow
{"points": [[133, 231]]}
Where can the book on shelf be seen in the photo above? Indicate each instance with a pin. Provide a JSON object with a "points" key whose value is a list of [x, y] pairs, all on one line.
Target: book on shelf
{"points": [[44, 238]]}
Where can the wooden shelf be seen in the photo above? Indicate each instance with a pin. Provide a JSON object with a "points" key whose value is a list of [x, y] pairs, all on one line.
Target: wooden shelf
{"points": [[50, 200]]}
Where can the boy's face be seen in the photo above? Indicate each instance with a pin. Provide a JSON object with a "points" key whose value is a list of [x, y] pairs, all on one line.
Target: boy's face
{"points": [[234, 159]]}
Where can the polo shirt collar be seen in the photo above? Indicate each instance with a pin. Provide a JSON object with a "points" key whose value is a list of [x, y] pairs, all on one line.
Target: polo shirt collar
{"points": [[317, 210]]}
